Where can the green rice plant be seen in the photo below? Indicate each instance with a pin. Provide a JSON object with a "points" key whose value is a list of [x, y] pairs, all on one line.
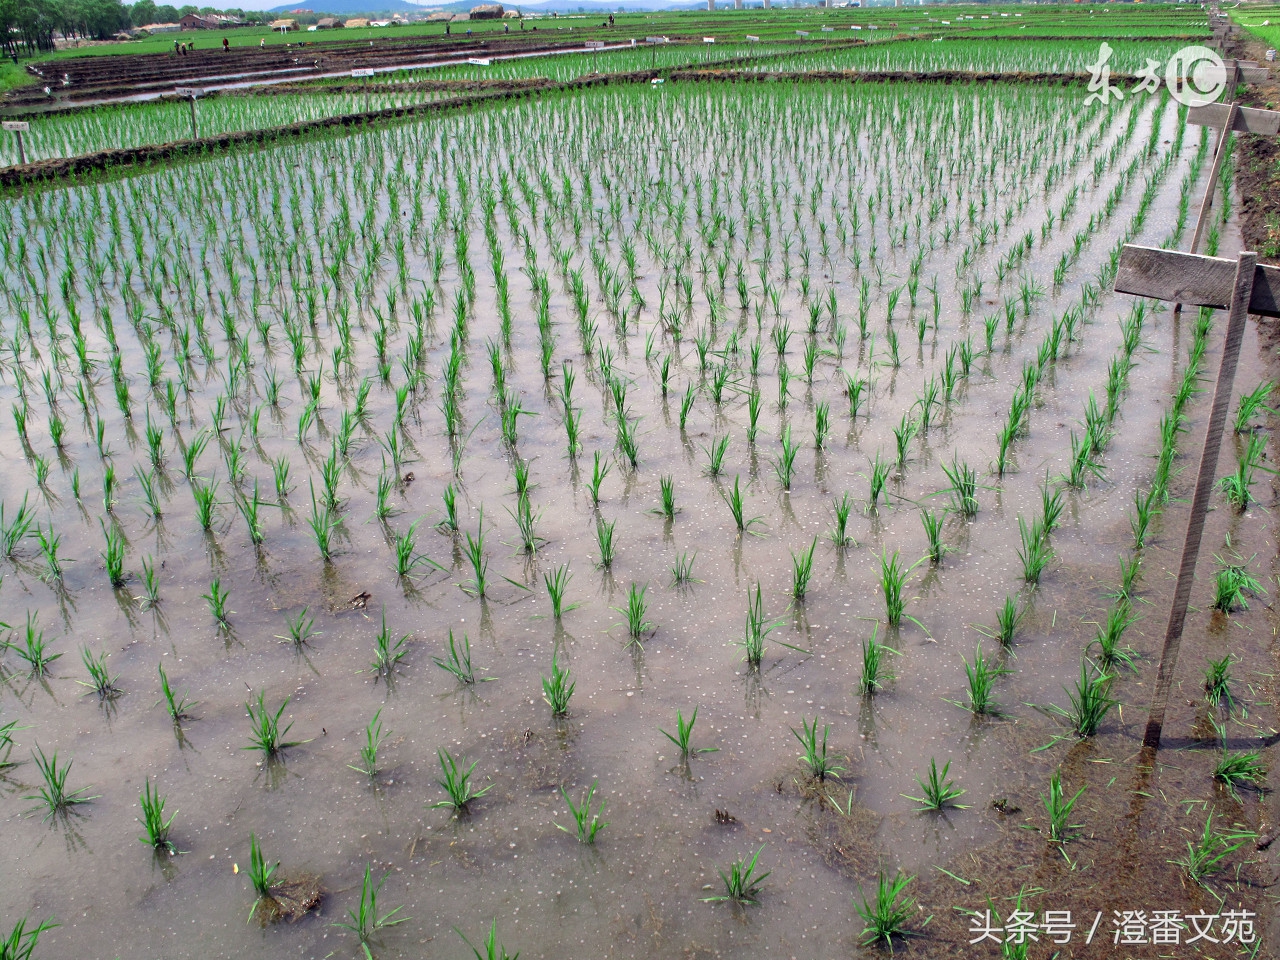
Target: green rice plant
{"points": [[1090, 701], [802, 571], [604, 541], [473, 550], [1237, 486], [815, 753], [981, 676], [1207, 854], [839, 535], [666, 486], [684, 734], [933, 531], [526, 524], [558, 688], [734, 499], [785, 465], [1058, 807], [264, 727], [1217, 682], [1051, 507], [887, 912], [20, 944], [50, 543], [388, 652], [937, 792], [1008, 618], [821, 425], [754, 402], [1144, 511], [627, 441], [176, 706], [903, 434], [557, 582], [1232, 583], [261, 876], [53, 795], [456, 783], [715, 455], [854, 389], [249, 508], [150, 595], [1251, 404], [758, 628], [492, 950], [682, 570], [634, 612], [365, 919], [152, 819], [1035, 552], [34, 648], [205, 496], [1110, 634], [280, 477], [893, 581], [13, 532], [321, 524], [100, 680], [964, 488], [217, 600], [1083, 466], [1004, 443], [877, 480], [458, 662], [7, 731], [113, 555], [300, 628], [146, 482], [875, 673], [374, 736], [599, 470], [587, 822], [192, 451], [742, 882], [686, 405]]}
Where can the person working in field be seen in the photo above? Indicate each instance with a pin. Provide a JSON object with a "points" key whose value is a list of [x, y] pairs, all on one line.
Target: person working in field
{"points": [[226, 44]]}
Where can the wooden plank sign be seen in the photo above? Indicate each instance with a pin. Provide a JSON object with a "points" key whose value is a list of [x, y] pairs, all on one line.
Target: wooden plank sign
{"points": [[1194, 279], [17, 126], [191, 92], [751, 39], [1248, 119], [361, 73], [479, 61]]}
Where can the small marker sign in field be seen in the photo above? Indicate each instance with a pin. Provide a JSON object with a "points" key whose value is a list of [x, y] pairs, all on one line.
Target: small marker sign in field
{"points": [[751, 39], [828, 29], [708, 39], [17, 126], [479, 61], [595, 44], [357, 74], [802, 33], [191, 92]]}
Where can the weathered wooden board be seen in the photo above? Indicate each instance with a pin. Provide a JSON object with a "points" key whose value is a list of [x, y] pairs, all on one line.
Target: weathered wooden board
{"points": [[1193, 279], [1248, 119]]}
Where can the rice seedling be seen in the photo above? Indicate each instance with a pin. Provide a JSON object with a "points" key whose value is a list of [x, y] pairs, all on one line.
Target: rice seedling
{"points": [[301, 628], [34, 648], [50, 543], [205, 496], [875, 673], [558, 688], [1035, 552], [604, 541], [365, 918], [893, 581], [53, 795], [903, 434], [937, 792], [839, 535], [388, 651], [684, 734], [458, 661], [321, 523], [815, 753], [784, 466], [374, 737], [557, 582], [1110, 634], [933, 532], [1217, 682], [887, 912], [686, 405], [1251, 404], [473, 550], [666, 487], [1090, 701], [217, 600], [176, 706], [742, 882], [153, 822], [20, 944], [13, 532], [628, 442], [599, 470], [734, 499], [1059, 807], [113, 555], [682, 570], [587, 822], [802, 571], [821, 425], [100, 680], [492, 950], [1232, 583], [265, 733], [715, 455], [1207, 854], [1008, 618], [634, 612], [456, 783], [1237, 487], [964, 488], [261, 876], [981, 676]]}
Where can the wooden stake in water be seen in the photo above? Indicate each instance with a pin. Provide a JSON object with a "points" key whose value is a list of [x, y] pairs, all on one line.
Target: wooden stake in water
{"points": [[1245, 287], [192, 93], [18, 128]]}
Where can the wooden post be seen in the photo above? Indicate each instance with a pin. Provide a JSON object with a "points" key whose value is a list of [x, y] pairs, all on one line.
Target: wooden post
{"points": [[192, 93], [18, 128], [1243, 287]]}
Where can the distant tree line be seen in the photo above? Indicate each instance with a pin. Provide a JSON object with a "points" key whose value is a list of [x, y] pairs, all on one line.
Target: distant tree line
{"points": [[29, 26]]}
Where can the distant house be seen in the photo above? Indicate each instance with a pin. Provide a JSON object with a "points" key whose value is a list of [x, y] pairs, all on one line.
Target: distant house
{"points": [[487, 11], [357, 22], [284, 24], [328, 23], [209, 21], [160, 28]]}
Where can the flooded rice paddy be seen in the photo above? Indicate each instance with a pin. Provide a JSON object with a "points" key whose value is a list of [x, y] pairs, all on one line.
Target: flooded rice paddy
{"points": [[402, 309]]}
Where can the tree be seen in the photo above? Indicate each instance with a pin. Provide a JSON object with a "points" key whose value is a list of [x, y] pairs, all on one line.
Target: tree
{"points": [[143, 12]]}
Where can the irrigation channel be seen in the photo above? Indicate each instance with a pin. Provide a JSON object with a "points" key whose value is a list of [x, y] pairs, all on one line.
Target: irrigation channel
{"points": [[285, 420]]}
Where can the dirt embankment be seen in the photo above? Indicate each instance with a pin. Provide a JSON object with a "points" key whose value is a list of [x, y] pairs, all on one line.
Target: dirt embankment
{"points": [[1258, 161]]}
